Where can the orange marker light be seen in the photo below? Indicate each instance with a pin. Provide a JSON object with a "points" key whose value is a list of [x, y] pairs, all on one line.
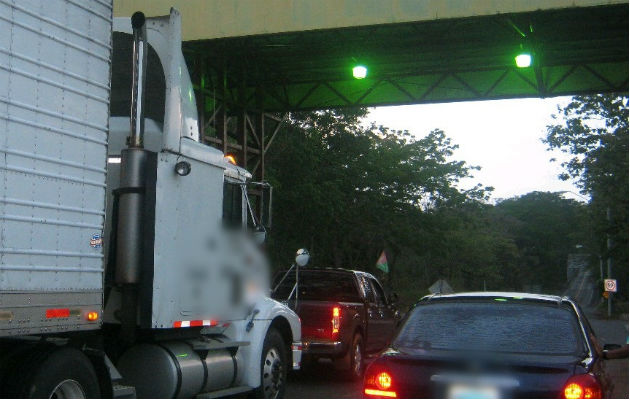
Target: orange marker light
{"points": [[92, 316], [230, 158]]}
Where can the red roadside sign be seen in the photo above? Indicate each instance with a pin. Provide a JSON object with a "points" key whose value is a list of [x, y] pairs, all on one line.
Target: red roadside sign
{"points": [[610, 285]]}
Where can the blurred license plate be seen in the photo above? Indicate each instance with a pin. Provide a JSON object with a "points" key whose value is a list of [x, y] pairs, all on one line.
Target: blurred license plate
{"points": [[472, 392]]}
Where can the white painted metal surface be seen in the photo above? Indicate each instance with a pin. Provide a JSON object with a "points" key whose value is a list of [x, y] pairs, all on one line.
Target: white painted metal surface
{"points": [[54, 103]]}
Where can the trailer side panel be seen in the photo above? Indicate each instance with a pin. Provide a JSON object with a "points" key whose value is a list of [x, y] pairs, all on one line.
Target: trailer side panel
{"points": [[55, 61]]}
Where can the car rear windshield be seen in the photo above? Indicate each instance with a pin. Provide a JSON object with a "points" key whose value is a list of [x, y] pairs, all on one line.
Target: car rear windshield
{"points": [[498, 326], [319, 285]]}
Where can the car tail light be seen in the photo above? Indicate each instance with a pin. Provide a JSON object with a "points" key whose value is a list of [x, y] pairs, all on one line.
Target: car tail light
{"points": [[336, 319], [379, 384], [583, 386]]}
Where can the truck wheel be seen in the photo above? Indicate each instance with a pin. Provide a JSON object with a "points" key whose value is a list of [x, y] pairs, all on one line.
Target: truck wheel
{"points": [[356, 358], [64, 374], [273, 367]]}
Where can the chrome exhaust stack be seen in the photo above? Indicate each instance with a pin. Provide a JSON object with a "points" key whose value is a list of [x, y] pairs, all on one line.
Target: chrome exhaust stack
{"points": [[139, 77], [131, 193]]}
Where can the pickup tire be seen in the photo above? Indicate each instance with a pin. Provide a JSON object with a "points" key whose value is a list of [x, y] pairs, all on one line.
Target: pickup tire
{"points": [[357, 363], [61, 373], [273, 369]]}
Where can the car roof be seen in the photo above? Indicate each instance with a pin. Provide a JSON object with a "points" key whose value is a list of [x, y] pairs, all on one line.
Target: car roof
{"points": [[507, 295], [331, 269]]}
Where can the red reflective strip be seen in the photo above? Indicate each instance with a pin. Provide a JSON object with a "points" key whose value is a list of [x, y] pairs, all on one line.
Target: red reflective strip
{"points": [[58, 313], [197, 322]]}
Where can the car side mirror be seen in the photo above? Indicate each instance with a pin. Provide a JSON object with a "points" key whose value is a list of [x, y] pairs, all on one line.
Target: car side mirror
{"points": [[611, 346]]}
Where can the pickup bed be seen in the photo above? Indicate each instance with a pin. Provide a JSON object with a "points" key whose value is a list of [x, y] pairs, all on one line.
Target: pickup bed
{"points": [[345, 314]]}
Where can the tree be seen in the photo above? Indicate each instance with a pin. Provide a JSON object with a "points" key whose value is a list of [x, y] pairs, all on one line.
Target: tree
{"points": [[594, 131], [347, 191], [546, 228]]}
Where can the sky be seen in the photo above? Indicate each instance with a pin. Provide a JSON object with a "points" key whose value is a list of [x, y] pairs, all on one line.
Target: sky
{"points": [[503, 137]]}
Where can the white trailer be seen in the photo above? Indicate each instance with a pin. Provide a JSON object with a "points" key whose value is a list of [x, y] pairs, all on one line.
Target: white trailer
{"points": [[128, 265]]}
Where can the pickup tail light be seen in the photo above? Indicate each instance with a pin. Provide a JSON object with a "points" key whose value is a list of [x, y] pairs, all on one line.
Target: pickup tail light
{"points": [[584, 386], [378, 384], [336, 319]]}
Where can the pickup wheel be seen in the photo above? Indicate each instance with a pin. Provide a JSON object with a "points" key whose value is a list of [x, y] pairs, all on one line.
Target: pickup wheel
{"points": [[273, 367], [356, 358]]}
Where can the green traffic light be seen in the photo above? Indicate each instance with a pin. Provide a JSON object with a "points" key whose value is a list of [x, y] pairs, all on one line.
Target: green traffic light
{"points": [[523, 60], [359, 72]]}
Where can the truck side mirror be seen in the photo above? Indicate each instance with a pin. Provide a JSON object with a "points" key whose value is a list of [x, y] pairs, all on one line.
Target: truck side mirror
{"points": [[301, 257]]}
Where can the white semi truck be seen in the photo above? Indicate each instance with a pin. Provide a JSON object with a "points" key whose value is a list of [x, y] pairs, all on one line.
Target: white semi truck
{"points": [[128, 260]]}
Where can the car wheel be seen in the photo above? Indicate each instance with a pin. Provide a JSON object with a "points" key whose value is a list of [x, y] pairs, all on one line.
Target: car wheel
{"points": [[273, 368], [356, 358]]}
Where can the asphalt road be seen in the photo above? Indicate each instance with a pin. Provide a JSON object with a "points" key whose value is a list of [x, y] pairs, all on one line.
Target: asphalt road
{"points": [[322, 381]]}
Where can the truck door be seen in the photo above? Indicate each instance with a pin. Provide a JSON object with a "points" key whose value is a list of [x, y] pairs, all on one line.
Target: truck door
{"points": [[372, 341], [385, 315]]}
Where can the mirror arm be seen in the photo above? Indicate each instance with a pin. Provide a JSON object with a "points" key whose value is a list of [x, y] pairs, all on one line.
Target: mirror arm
{"points": [[282, 280]]}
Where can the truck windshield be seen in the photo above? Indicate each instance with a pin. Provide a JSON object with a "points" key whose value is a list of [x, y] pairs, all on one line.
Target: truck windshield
{"points": [[496, 326], [318, 285]]}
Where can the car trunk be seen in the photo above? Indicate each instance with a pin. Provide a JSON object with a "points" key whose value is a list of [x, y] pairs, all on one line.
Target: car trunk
{"points": [[434, 376]]}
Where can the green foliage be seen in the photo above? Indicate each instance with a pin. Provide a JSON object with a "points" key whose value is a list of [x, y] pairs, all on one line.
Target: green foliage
{"points": [[347, 191], [594, 131], [546, 228]]}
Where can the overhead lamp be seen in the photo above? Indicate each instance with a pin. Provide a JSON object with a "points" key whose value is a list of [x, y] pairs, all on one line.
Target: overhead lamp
{"points": [[523, 60], [359, 71]]}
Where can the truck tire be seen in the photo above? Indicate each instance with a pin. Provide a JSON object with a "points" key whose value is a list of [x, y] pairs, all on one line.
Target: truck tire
{"points": [[273, 370], [357, 363], [63, 373]]}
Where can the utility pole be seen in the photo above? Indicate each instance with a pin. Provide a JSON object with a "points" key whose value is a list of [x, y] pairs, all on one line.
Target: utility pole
{"points": [[609, 258]]}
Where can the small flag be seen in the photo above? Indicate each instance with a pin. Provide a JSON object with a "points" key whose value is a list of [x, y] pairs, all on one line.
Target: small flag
{"points": [[381, 263]]}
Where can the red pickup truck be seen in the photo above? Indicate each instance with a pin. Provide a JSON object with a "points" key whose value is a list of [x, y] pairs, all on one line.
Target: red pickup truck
{"points": [[345, 314]]}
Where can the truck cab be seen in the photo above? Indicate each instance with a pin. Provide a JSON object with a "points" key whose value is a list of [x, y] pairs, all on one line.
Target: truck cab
{"points": [[199, 272]]}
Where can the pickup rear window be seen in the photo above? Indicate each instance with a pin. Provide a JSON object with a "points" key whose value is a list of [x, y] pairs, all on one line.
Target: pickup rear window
{"points": [[495, 326], [319, 286]]}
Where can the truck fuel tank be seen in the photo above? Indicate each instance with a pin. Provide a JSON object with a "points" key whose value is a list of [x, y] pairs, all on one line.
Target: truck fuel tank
{"points": [[176, 370]]}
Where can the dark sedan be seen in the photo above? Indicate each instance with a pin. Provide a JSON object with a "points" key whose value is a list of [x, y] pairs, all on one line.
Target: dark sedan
{"points": [[491, 345]]}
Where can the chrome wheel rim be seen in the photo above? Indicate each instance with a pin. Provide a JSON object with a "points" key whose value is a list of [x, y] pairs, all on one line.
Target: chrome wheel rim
{"points": [[68, 389], [273, 378], [357, 359]]}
